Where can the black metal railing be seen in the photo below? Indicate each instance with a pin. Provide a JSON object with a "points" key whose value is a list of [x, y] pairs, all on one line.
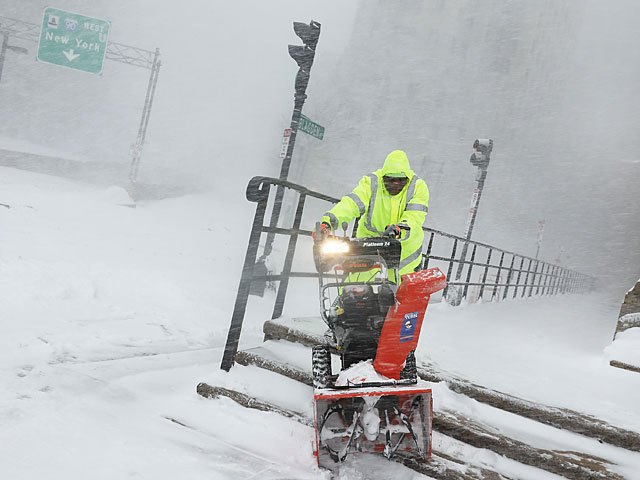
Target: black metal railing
{"points": [[501, 273]]}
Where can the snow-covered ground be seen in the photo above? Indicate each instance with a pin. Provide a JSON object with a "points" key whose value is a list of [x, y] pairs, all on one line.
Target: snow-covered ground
{"points": [[111, 315]]}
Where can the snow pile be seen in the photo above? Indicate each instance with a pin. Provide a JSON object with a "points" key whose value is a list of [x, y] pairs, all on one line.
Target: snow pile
{"points": [[361, 372], [626, 347], [117, 196]]}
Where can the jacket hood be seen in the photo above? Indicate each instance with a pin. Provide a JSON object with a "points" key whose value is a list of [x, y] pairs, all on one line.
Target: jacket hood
{"points": [[396, 162]]}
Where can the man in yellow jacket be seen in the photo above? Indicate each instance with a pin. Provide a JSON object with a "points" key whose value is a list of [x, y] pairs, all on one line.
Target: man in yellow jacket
{"points": [[392, 201]]}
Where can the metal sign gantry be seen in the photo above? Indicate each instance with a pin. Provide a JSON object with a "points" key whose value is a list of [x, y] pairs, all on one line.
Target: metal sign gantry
{"points": [[119, 52]]}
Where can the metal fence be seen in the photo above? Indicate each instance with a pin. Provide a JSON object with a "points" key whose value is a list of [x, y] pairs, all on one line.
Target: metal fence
{"points": [[500, 274]]}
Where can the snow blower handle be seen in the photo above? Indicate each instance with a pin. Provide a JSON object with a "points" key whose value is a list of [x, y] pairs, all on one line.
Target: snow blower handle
{"points": [[393, 230], [324, 229]]}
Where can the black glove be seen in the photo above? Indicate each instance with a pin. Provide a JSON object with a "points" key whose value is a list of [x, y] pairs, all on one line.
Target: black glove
{"points": [[392, 231]]}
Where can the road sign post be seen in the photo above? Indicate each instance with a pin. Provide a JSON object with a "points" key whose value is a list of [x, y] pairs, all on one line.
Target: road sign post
{"points": [[303, 55], [73, 41]]}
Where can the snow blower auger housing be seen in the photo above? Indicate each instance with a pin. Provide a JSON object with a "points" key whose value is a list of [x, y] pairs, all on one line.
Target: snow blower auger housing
{"points": [[375, 404]]}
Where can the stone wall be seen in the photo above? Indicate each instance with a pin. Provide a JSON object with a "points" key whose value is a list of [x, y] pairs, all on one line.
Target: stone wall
{"points": [[630, 310]]}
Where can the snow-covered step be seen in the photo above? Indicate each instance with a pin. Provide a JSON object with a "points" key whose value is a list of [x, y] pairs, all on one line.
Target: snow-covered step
{"points": [[442, 466], [288, 359], [310, 331]]}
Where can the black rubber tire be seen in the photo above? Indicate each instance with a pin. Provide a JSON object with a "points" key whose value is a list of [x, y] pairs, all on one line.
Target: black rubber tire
{"points": [[410, 370], [321, 366]]}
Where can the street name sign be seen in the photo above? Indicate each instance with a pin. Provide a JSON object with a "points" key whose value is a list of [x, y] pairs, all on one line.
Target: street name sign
{"points": [[311, 128], [72, 40]]}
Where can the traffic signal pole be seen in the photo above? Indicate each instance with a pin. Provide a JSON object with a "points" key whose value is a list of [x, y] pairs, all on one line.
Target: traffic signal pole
{"points": [[479, 158], [303, 55]]}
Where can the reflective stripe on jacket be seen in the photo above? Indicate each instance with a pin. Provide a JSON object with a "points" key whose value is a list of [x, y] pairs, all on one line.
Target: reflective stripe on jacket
{"points": [[371, 201]]}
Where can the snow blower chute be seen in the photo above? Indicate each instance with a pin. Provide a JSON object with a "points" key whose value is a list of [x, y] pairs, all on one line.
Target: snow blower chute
{"points": [[375, 404]]}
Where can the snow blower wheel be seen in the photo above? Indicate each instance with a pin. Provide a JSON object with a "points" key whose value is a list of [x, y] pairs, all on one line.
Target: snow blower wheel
{"points": [[321, 366]]}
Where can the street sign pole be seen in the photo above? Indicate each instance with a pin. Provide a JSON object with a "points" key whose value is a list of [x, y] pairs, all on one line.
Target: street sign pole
{"points": [[303, 55]]}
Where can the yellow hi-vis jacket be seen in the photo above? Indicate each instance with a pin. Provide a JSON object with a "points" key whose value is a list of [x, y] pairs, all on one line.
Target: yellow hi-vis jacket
{"points": [[371, 201]]}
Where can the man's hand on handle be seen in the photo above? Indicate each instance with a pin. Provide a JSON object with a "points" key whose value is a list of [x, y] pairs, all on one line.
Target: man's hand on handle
{"points": [[392, 231], [325, 230]]}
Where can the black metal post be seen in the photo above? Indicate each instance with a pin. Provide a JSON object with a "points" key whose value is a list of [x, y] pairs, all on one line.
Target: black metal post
{"points": [[540, 278], [451, 260], [303, 55], [533, 279], [495, 287], [515, 291], [484, 276], [284, 172], [473, 256], [513, 258], [426, 256], [242, 296], [526, 279], [291, 250], [558, 284]]}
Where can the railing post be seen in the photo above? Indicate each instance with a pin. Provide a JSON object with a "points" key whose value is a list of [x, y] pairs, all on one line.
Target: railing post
{"points": [[484, 277], [466, 286], [533, 279], [515, 290], [540, 278], [546, 278], [526, 279], [291, 250], [565, 279], [233, 337], [548, 288], [453, 256], [554, 289], [425, 257], [495, 287], [513, 258]]}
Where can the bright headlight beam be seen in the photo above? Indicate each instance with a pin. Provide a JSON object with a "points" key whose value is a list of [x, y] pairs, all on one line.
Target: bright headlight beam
{"points": [[330, 247]]}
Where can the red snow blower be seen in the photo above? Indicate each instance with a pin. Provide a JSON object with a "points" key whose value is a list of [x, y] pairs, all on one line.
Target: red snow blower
{"points": [[374, 403]]}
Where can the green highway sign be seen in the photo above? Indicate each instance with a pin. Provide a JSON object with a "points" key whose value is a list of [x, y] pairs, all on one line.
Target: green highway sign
{"points": [[310, 128], [73, 41]]}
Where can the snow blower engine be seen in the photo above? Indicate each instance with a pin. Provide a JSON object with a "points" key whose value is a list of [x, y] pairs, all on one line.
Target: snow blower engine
{"points": [[375, 403]]}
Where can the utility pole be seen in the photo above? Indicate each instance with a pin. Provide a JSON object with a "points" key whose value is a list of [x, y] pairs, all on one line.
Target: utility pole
{"points": [[303, 55], [479, 158]]}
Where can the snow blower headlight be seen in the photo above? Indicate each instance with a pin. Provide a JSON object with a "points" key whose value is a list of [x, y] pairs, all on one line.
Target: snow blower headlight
{"points": [[331, 247]]}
